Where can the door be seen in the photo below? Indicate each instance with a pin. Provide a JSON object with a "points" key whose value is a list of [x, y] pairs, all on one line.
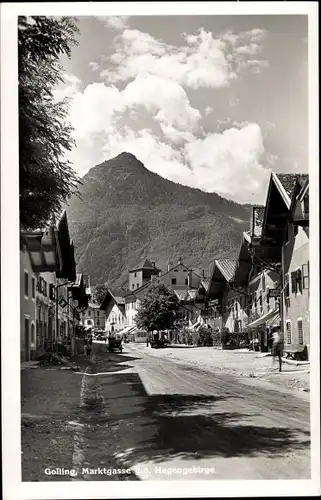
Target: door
{"points": [[27, 342]]}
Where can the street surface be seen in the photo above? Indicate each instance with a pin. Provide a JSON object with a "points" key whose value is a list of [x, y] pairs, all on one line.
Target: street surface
{"points": [[162, 420]]}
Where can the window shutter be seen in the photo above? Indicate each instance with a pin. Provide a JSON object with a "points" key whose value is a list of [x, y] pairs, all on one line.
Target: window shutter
{"points": [[299, 280], [294, 282], [305, 276], [300, 330], [288, 332]]}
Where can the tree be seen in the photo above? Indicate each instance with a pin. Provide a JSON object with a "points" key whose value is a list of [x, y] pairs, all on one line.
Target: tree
{"points": [[157, 309], [99, 293], [47, 178]]}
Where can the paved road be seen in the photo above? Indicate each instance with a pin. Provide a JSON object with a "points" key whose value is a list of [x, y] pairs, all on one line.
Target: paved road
{"points": [[166, 421]]}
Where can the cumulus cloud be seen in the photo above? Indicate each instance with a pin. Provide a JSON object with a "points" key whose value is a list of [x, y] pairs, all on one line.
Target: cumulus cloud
{"points": [[152, 115], [201, 61], [116, 22], [228, 162]]}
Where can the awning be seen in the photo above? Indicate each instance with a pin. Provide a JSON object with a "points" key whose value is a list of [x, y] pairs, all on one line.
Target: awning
{"points": [[268, 318], [275, 320], [127, 329]]}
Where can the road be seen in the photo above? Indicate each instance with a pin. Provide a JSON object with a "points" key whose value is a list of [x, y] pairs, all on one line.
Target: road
{"points": [[166, 421]]}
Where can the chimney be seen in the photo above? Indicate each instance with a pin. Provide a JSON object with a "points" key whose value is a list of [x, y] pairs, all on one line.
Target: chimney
{"points": [[168, 267], [180, 260]]}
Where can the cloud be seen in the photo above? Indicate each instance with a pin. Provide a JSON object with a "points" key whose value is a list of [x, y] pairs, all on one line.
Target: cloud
{"points": [[201, 61], [228, 162], [94, 66], [116, 22]]}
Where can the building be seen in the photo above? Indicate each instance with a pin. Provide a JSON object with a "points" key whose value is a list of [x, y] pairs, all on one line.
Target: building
{"points": [[142, 274], [93, 317], [114, 309], [47, 270], [184, 282], [27, 305], [296, 268]]}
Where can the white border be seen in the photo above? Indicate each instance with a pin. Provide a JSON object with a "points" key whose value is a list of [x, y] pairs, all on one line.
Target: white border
{"points": [[14, 489]]}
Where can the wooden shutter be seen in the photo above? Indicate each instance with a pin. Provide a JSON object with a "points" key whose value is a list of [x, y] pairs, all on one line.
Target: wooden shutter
{"points": [[300, 331], [305, 276], [294, 287], [299, 280], [288, 332]]}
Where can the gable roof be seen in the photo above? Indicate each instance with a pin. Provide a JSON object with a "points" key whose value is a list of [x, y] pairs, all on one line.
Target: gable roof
{"points": [[117, 295], [227, 267], [145, 264]]}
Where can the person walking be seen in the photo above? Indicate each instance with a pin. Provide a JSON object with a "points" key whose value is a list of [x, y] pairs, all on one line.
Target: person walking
{"points": [[277, 345]]}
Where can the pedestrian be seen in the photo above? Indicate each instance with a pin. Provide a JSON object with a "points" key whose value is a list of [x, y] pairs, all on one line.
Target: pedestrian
{"points": [[277, 345], [88, 350]]}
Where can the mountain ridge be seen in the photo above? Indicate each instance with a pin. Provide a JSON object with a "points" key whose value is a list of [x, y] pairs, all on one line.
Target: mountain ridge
{"points": [[126, 212]]}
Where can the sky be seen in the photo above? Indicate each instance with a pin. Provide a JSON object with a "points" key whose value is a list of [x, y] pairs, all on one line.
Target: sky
{"points": [[212, 102]]}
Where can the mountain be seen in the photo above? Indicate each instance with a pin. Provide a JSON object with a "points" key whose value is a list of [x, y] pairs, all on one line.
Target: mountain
{"points": [[127, 212]]}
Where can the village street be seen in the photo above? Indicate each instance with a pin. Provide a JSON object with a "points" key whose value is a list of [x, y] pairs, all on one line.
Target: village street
{"points": [[142, 410]]}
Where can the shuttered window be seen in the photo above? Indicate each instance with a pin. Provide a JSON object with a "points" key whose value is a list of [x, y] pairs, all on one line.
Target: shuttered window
{"points": [[52, 291], [305, 276], [268, 298], [294, 287], [288, 332], [300, 331], [286, 286]]}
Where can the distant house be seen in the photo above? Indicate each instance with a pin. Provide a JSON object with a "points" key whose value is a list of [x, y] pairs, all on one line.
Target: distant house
{"points": [[92, 317], [142, 274], [113, 308]]}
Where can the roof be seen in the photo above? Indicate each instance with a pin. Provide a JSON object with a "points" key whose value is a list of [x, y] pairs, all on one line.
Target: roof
{"points": [[206, 282], [286, 184], [227, 267], [144, 264], [118, 296]]}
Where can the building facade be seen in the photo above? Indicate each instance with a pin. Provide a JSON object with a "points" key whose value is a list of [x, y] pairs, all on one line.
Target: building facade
{"points": [[28, 278], [296, 265]]}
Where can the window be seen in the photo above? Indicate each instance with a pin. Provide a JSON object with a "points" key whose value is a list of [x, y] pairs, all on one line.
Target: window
{"points": [[89, 312], [186, 281], [133, 286], [135, 275], [26, 284], [288, 332], [52, 291], [300, 330], [33, 287], [173, 281], [137, 285], [45, 288], [286, 286], [33, 337], [305, 276], [175, 270]]}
